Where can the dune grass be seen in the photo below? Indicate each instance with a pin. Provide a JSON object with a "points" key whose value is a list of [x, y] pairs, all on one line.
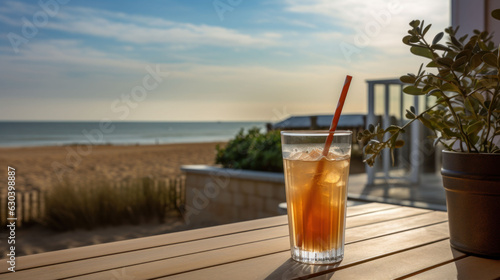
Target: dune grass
{"points": [[88, 205]]}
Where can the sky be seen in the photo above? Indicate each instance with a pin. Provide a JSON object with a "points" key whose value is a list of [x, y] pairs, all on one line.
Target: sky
{"points": [[210, 60]]}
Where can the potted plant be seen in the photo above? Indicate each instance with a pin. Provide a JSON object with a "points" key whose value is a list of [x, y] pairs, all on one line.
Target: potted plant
{"points": [[464, 80]]}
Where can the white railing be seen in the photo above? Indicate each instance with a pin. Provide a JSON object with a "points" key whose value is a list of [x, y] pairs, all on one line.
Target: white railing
{"points": [[414, 155]]}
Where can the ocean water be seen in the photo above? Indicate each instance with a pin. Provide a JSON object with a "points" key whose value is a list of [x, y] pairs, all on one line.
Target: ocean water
{"points": [[25, 134]]}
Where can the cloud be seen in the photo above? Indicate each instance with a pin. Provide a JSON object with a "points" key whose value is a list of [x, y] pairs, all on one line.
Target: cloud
{"points": [[296, 22], [334, 35], [354, 12], [272, 35], [138, 29], [12, 7], [66, 53], [376, 25]]}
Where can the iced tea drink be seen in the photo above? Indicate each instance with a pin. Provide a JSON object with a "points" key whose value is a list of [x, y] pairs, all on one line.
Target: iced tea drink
{"points": [[316, 191]]}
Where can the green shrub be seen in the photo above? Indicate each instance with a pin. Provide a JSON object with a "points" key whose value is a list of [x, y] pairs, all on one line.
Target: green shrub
{"points": [[87, 205], [252, 151]]}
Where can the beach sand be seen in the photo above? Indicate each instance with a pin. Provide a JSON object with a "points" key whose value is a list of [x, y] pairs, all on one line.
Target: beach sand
{"points": [[41, 167]]}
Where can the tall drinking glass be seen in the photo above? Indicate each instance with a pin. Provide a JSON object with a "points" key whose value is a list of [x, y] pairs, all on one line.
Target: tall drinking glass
{"points": [[316, 193]]}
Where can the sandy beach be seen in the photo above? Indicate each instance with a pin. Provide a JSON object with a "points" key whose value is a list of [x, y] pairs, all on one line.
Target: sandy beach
{"points": [[41, 167]]}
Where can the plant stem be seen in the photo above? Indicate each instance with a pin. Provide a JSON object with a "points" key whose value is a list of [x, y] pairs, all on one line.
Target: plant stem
{"points": [[490, 111], [385, 143], [460, 128]]}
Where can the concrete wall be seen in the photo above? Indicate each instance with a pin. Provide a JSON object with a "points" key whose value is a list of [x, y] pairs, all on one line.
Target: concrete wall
{"points": [[219, 196]]}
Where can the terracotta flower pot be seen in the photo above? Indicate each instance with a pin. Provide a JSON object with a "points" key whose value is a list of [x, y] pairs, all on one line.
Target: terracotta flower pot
{"points": [[472, 184]]}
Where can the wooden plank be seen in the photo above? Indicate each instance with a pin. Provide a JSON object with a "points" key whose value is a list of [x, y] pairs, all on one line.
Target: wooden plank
{"points": [[352, 235], [467, 268], [355, 253], [397, 265], [387, 267], [368, 208], [86, 252], [379, 216], [394, 226], [65, 270]]}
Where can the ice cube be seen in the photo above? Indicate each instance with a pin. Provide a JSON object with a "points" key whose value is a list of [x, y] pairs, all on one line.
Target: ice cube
{"points": [[295, 155], [312, 155], [336, 156], [305, 157], [315, 154], [332, 177]]}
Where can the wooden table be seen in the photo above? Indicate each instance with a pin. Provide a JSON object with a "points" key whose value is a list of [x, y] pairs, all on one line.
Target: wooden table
{"points": [[383, 241]]}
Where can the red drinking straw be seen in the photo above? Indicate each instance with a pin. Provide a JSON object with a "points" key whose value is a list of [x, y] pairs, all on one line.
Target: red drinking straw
{"points": [[319, 169], [336, 117]]}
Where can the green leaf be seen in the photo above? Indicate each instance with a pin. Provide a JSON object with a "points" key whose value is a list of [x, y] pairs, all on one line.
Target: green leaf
{"points": [[479, 97], [440, 47], [407, 79], [445, 74], [471, 45], [462, 39], [450, 87], [474, 128], [466, 53], [473, 138], [393, 128], [427, 87], [409, 115], [445, 61], [434, 92], [412, 90], [482, 45], [496, 14], [498, 61], [369, 150], [431, 64], [406, 39], [437, 38], [490, 59], [491, 45], [475, 61], [421, 51], [421, 27], [459, 62], [399, 143], [426, 29], [448, 133], [455, 41], [414, 39], [420, 69], [468, 105], [426, 122], [370, 161]]}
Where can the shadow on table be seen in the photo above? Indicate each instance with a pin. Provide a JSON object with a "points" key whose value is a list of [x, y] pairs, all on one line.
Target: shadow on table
{"points": [[295, 270], [475, 267]]}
